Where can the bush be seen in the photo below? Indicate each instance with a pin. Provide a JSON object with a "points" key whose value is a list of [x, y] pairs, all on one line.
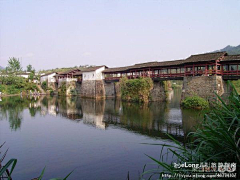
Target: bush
{"points": [[62, 89], [14, 85], [195, 102], [44, 85], [136, 90]]}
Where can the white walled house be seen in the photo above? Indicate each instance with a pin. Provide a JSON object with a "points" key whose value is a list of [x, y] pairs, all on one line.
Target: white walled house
{"points": [[49, 77], [93, 73]]}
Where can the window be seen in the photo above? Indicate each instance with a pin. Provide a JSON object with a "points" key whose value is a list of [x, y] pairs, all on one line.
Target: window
{"points": [[189, 69], [173, 71], [163, 71], [225, 68], [233, 67], [182, 70]]}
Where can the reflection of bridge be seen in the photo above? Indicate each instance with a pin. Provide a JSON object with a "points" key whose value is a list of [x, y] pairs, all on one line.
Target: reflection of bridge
{"points": [[154, 130], [208, 64]]}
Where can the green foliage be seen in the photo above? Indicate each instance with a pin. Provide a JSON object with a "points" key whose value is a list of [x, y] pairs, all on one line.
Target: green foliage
{"points": [[42, 173], [217, 140], [73, 92], [195, 102], [44, 85], [237, 85], [4, 169], [136, 90], [30, 68], [14, 65], [14, 85], [62, 89]]}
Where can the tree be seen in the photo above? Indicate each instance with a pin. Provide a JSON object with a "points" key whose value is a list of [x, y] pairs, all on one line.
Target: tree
{"points": [[14, 65], [30, 68]]}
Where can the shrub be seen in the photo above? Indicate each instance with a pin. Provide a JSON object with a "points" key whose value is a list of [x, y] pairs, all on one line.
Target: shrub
{"points": [[62, 89], [136, 90], [44, 85], [195, 102]]}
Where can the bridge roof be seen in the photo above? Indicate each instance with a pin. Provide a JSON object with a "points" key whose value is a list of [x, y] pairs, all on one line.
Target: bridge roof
{"points": [[192, 59], [232, 58], [205, 57]]}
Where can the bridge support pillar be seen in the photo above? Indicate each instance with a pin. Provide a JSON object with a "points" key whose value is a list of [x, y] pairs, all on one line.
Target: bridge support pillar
{"points": [[159, 91], [204, 86], [112, 89]]}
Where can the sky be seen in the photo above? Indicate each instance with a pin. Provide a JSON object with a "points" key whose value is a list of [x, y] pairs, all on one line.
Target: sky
{"points": [[65, 33]]}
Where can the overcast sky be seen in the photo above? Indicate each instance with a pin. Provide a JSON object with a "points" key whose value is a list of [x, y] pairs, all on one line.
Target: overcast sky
{"points": [[65, 33]]}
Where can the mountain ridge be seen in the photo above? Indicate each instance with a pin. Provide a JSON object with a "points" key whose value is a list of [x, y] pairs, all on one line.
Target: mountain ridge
{"points": [[231, 50]]}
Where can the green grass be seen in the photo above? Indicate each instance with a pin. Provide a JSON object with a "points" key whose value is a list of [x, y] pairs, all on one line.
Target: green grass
{"points": [[236, 85]]}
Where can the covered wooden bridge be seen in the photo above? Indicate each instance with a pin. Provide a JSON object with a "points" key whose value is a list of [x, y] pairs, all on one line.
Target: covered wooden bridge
{"points": [[219, 63]]}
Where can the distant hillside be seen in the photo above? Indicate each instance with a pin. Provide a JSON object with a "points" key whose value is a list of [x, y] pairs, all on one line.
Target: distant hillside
{"points": [[64, 69], [1, 68], [232, 50]]}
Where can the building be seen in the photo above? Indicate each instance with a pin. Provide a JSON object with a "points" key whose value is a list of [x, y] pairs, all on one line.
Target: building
{"points": [[49, 77], [93, 73]]}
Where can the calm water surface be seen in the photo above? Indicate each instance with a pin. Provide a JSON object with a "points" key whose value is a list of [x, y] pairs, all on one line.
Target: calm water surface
{"points": [[97, 139]]}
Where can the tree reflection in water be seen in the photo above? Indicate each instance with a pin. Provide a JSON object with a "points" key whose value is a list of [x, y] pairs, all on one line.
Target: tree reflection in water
{"points": [[11, 109], [154, 119]]}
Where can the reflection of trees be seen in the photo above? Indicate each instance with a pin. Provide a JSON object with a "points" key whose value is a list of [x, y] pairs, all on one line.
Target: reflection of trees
{"points": [[147, 119], [191, 119], [11, 108]]}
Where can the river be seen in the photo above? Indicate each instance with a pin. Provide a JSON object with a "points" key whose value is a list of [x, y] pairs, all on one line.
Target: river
{"points": [[98, 139]]}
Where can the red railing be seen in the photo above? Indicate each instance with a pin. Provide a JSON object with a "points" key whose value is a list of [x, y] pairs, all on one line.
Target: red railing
{"points": [[193, 72]]}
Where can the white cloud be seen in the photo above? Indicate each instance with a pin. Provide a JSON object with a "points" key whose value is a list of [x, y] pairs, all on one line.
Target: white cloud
{"points": [[86, 54], [29, 55]]}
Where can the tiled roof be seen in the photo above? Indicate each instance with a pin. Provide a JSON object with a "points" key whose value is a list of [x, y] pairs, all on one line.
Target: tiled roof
{"points": [[94, 68], [68, 71], [77, 73], [232, 58], [47, 74], [191, 59], [117, 69], [205, 57]]}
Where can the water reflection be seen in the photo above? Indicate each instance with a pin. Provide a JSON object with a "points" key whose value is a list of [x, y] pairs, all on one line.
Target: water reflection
{"points": [[154, 120], [11, 108]]}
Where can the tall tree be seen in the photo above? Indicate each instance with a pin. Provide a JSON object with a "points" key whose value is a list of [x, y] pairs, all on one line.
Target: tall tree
{"points": [[14, 65], [29, 68]]}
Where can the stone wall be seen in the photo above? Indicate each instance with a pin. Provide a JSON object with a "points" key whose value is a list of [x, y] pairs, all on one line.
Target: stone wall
{"points": [[159, 92], [88, 89], [117, 89], [109, 89], [112, 89], [52, 85], [71, 88], [203, 86], [92, 89], [99, 89]]}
